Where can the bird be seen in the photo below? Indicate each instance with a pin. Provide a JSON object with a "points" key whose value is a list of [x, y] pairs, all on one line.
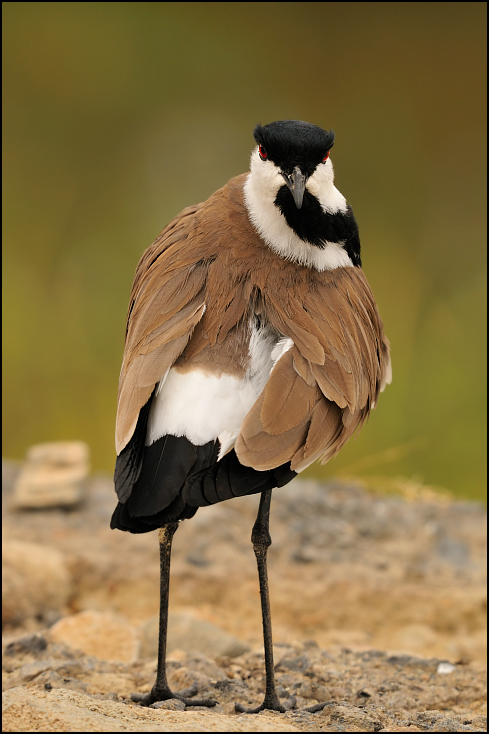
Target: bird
{"points": [[253, 348]]}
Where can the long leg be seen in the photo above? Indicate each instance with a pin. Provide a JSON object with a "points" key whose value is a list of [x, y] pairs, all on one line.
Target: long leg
{"points": [[260, 537], [161, 690]]}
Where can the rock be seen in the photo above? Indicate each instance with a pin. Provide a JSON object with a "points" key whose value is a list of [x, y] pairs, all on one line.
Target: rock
{"points": [[31, 670], [199, 672], [188, 633], [352, 718], [52, 475], [52, 679], [411, 661], [171, 704], [300, 662], [102, 634], [31, 644], [65, 710], [451, 725], [311, 689], [10, 471], [35, 582], [444, 668], [480, 722]]}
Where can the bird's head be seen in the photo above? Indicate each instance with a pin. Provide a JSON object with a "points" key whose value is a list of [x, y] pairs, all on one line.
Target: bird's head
{"points": [[291, 161], [292, 200]]}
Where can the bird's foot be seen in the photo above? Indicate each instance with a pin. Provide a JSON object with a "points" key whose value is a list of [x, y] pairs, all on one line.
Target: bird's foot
{"points": [[165, 693], [270, 703], [316, 707]]}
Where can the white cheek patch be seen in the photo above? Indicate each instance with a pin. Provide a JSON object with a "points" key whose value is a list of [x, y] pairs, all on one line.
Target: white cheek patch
{"points": [[260, 191], [321, 186]]}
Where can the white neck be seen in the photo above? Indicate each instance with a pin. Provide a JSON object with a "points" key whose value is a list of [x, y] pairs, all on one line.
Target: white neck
{"points": [[260, 191]]}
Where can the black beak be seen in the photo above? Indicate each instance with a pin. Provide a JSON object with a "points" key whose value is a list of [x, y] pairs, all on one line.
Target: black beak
{"points": [[296, 183]]}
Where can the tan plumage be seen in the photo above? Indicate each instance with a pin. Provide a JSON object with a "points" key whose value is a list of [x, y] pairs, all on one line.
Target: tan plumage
{"points": [[194, 294]]}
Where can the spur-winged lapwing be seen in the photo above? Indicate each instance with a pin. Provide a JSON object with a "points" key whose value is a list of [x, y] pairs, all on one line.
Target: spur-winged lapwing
{"points": [[253, 347]]}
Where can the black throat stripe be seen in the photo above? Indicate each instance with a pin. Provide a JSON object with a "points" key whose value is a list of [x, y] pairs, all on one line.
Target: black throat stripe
{"points": [[315, 226]]}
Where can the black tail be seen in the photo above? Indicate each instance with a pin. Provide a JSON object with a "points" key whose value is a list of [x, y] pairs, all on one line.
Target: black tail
{"points": [[228, 478], [155, 498]]}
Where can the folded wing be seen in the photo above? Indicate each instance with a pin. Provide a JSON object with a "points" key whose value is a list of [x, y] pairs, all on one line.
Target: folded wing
{"points": [[167, 301], [323, 388]]}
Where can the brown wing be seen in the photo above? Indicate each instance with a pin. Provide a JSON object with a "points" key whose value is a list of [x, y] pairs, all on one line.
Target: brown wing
{"points": [[167, 301], [174, 280], [324, 387]]}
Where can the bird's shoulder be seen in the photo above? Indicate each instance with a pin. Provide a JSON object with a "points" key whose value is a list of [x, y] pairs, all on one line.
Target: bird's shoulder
{"points": [[195, 235]]}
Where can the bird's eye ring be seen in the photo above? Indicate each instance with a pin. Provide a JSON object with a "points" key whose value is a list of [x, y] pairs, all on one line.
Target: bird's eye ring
{"points": [[326, 157], [262, 153]]}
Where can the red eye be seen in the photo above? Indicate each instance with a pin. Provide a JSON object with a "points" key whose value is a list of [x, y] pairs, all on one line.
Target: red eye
{"points": [[262, 153], [326, 157]]}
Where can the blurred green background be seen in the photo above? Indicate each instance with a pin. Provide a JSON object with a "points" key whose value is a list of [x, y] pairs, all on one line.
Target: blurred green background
{"points": [[118, 115]]}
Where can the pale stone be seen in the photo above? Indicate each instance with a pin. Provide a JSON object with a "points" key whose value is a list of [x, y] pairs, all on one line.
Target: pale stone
{"points": [[102, 634], [35, 581], [445, 668], [187, 632], [53, 475]]}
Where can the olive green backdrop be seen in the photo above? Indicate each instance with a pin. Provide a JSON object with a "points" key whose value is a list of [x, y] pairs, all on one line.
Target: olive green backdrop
{"points": [[118, 115]]}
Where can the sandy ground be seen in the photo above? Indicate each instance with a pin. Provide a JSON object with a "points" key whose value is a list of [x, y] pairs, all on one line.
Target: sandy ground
{"points": [[369, 593]]}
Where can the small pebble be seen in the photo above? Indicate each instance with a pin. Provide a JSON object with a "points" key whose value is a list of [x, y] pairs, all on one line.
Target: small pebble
{"points": [[172, 704], [445, 668]]}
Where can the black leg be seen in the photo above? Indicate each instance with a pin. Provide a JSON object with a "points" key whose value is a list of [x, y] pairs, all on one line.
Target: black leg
{"points": [[260, 537], [161, 690]]}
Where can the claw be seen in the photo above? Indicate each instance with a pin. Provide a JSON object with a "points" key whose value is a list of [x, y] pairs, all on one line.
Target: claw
{"points": [[316, 707], [281, 708], [146, 699], [269, 704]]}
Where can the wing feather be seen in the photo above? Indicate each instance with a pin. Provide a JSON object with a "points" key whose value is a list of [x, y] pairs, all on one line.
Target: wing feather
{"points": [[287, 399], [303, 368], [167, 301], [276, 450], [322, 389]]}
